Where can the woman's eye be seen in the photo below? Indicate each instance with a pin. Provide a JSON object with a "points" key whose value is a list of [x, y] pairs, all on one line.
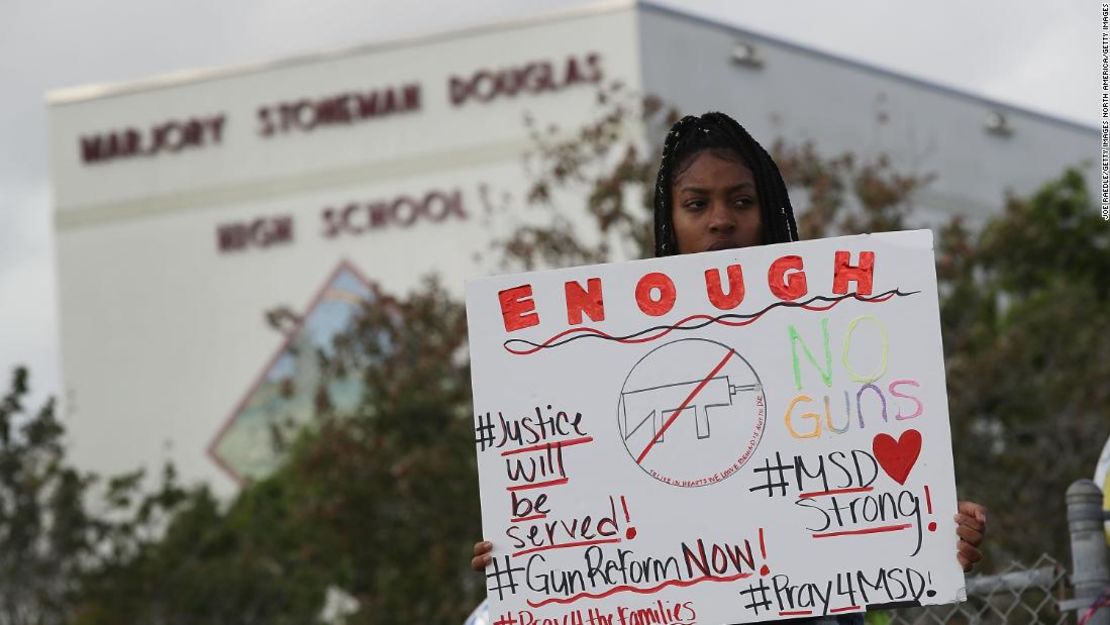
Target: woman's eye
{"points": [[744, 202], [695, 204]]}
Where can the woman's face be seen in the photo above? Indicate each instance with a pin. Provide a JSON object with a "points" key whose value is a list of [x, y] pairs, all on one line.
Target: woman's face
{"points": [[715, 206]]}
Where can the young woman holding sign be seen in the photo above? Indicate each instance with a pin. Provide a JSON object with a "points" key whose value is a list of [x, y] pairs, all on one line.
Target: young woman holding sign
{"points": [[719, 189]]}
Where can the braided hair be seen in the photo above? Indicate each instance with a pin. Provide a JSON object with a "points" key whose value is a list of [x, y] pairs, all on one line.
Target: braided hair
{"points": [[723, 136]]}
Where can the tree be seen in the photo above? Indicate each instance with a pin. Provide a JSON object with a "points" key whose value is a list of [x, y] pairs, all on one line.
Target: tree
{"points": [[381, 504], [1026, 327], [56, 523], [45, 531]]}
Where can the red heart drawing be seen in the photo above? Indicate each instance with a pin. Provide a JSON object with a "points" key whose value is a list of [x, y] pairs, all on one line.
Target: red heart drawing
{"points": [[897, 457]]}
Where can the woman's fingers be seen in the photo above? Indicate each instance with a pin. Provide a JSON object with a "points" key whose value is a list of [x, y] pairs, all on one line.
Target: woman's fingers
{"points": [[482, 556], [967, 556], [970, 533], [971, 527]]}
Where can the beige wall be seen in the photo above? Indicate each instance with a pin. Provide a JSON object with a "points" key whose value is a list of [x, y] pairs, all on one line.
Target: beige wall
{"points": [[162, 334]]}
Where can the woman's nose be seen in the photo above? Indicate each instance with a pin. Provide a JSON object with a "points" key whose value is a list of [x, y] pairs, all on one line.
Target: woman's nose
{"points": [[721, 218]]}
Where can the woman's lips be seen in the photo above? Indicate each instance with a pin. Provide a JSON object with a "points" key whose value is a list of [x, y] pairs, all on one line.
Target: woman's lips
{"points": [[720, 245]]}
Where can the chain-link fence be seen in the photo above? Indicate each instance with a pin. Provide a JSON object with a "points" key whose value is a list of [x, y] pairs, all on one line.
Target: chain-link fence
{"points": [[1020, 595], [1044, 593]]}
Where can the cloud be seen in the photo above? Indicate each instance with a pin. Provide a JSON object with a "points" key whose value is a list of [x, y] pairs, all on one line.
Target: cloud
{"points": [[1016, 52], [28, 298]]}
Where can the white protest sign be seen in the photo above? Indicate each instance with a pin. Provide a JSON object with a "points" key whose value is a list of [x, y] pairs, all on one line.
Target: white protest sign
{"points": [[734, 436]]}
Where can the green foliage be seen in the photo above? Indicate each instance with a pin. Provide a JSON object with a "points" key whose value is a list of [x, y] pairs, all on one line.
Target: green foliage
{"points": [[52, 536], [45, 531], [382, 504], [1026, 327]]}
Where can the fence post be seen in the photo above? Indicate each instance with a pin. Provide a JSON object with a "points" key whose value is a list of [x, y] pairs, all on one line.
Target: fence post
{"points": [[1090, 572]]}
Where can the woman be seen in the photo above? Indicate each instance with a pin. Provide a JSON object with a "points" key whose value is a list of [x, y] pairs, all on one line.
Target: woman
{"points": [[719, 189]]}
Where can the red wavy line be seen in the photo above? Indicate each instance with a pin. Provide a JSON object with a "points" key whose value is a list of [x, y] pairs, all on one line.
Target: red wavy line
{"points": [[640, 591], [665, 331]]}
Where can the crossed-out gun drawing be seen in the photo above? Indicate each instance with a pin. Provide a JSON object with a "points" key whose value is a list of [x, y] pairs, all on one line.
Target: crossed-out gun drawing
{"points": [[657, 403]]}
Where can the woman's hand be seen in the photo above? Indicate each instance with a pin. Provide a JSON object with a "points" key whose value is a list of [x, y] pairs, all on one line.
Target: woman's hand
{"points": [[482, 556], [971, 527]]}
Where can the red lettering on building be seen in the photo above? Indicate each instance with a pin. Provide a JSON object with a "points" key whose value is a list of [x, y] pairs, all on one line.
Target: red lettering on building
{"points": [[170, 136], [308, 114], [357, 218], [537, 77], [261, 233]]}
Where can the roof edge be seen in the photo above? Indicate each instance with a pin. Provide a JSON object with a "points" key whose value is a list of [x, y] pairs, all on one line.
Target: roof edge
{"points": [[96, 91], [875, 69]]}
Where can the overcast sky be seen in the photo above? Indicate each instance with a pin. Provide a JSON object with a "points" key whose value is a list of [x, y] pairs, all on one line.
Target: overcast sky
{"points": [[1041, 56]]}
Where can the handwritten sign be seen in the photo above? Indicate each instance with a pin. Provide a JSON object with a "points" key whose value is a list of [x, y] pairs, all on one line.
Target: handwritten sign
{"points": [[735, 436]]}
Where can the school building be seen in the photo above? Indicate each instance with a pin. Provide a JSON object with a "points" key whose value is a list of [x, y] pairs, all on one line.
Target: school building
{"points": [[189, 206]]}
